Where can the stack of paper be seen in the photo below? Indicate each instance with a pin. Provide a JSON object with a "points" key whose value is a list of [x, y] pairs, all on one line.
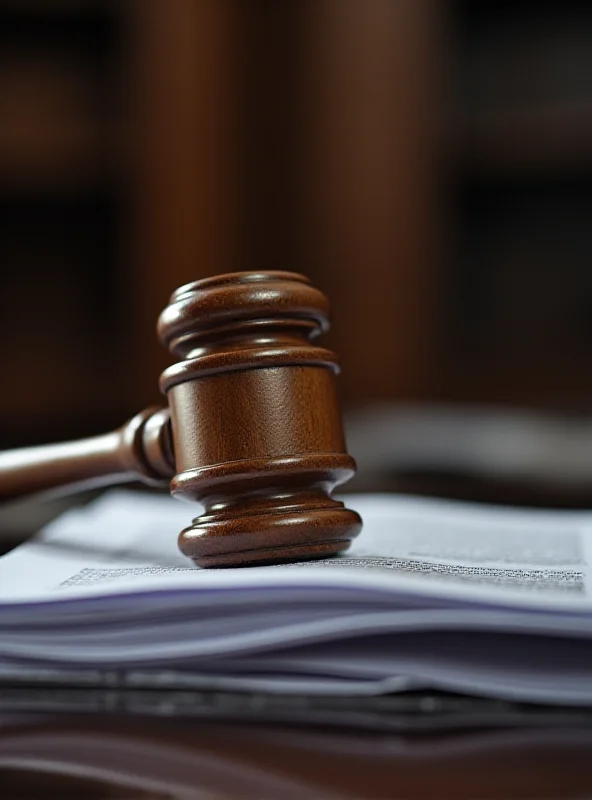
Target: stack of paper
{"points": [[433, 595]]}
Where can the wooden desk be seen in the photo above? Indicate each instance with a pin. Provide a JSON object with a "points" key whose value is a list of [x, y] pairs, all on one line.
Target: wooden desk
{"points": [[110, 756]]}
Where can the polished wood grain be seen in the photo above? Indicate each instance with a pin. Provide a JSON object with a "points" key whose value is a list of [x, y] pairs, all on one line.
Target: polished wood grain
{"points": [[254, 432], [138, 451], [136, 757], [267, 447]]}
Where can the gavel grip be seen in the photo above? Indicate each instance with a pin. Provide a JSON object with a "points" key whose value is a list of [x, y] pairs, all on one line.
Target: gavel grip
{"points": [[141, 450]]}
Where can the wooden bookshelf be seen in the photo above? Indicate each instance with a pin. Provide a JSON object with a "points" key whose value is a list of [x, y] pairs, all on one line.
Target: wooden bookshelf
{"points": [[113, 194], [427, 162], [519, 185]]}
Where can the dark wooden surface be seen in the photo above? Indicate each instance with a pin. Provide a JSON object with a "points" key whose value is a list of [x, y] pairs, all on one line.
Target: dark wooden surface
{"points": [[254, 434], [113, 756]]}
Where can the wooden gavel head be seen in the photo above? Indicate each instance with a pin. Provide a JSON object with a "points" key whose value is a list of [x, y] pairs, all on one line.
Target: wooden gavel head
{"points": [[252, 431], [256, 427]]}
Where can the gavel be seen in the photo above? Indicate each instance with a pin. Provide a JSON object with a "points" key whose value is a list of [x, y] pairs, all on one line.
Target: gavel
{"points": [[252, 430]]}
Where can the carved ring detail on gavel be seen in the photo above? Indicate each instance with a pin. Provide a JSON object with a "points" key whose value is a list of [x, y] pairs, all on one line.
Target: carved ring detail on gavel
{"points": [[252, 430]]}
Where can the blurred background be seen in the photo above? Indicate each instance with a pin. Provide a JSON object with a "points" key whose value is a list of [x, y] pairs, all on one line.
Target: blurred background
{"points": [[427, 163]]}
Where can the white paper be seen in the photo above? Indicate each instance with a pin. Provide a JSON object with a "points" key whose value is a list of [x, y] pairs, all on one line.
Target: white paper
{"points": [[127, 541], [437, 594]]}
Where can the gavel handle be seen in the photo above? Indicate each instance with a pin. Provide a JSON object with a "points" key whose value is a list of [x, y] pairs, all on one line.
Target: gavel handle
{"points": [[139, 450]]}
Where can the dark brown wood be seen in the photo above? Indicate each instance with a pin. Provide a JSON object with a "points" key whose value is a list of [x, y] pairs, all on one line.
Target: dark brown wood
{"points": [[254, 426], [114, 755], [139, 450], [370, 188], [183, 160], [266, 446]]}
